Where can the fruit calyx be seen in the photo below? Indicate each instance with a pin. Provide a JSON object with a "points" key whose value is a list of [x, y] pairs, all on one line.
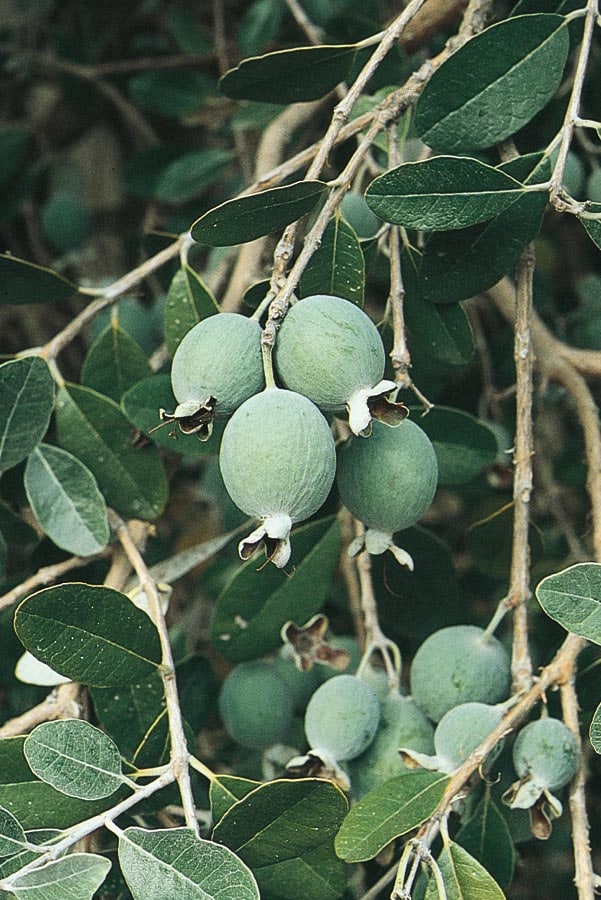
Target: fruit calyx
{"points": [[377, 542], [366, 404], [274, 534], [193, 417]]}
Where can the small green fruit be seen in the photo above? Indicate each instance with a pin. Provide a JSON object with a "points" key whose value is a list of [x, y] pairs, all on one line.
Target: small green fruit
{"points": [[278, 461], [461, 730], [342, 717], [593, 186], [216, 367], [330, 350], [573, 175], [255, 705], [545, 751], [456, 665], [359, 216], [302, 685]]}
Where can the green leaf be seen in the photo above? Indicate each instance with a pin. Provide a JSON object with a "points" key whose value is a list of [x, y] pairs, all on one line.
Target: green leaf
{"points": [[389, 811], [593, 228], [12, 835], [464, 446], [250, 217], [90, 634], [463, 876], [94, 429], [255, 604], [225, 790], [486, 836], [595, 730], [26, 402], [77, 876], [175, 863], [65, 500], [190, 175], [14, 144], [515, 68], [15, 529], [259, 25], [3, 556], [169, 92], [573, 598], [338, 266], [496, 530], [318, 874], [188, 301], [290, 76], [25, 282], [75, 758], [442, 193], [142, 706], [114, 362], [282, 821]]}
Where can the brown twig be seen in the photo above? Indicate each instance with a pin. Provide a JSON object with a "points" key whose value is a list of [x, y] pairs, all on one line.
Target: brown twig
{"points": [[45, 576], [62, 703]]}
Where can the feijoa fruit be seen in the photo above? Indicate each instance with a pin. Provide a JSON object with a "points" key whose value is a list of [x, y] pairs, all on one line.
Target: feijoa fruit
{"points": [[342, 717], [255, 704]]}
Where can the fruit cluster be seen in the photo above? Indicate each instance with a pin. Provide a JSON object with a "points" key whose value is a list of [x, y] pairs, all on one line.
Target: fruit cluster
{"points": [[277, 454]]}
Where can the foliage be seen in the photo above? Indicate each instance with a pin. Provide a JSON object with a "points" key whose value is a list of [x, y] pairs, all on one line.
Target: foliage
{"points": [[436, 165]]}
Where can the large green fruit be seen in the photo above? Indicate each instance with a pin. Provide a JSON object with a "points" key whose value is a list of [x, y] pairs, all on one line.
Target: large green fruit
{"points": [[255, 705], [545, 751], [278, 462], [216, 367], [388, 480], [330, 350], [359, 216], [342, 717], [461, 730], [459, 664]]}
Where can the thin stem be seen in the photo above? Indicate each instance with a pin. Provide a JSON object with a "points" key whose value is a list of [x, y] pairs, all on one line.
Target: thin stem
{"points": [[47, 575], [375, 639]]}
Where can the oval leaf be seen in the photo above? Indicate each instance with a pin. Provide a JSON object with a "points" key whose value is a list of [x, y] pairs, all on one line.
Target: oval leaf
{"points": [[290, 76], [514, 68], [90, 634], [487, 837], [12, 835], [77, 876], [573, 598], [175, 863], [65, 500], [75, 758], [94, 429], [26, 402], [463, 877], [255, 604], [25, 282], [169, 92], [392, 809], [188, 301], [595, 730], [247, 218], [442, 193], [464, 446], [114, 362], [337, 267], [190, 175]]}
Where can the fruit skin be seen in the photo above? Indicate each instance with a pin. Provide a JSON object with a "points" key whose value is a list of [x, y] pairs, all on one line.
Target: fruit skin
{"points": [[301, 685], [342, 717], [402, 724], [462, 729], [255, 705], [219, 357], [546, 752], [329, 350], [359, 216], [278, 461], [388, 480], [455, 665]]}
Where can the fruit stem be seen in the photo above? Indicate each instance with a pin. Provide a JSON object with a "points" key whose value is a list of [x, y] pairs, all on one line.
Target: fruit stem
{"points": [[266, 355]]}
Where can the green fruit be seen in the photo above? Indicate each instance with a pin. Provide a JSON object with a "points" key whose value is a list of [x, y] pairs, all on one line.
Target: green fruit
{"points": [[546, 752], [359, 216], [330, 350], [459, 664], [461, 730], [388, 480], [573, 175], [593, 186], [255, 705], [216, 367], [302, 685], [65, 222], [403, 724], [342, 717], [278, 461]]}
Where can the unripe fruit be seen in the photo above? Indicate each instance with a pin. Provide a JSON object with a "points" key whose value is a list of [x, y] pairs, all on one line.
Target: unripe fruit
{"points": [[359, 216], [545, 751], [459, 664], [278, 461], [330, 350], [255, 705], [593, 186], [216, 367], [301, 685], [461, 730], [342, 717]]}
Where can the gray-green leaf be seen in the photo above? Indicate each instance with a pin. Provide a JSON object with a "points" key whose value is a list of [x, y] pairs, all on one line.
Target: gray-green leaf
{"points": [[26, 402], [65, 500], [12, 835], [595, 730], [74, 757], [464, 878], [487, 837], [114, 362], [337, 267], [573, 598], [188, 301], [464, 446], [74, 877], [26, 282]]}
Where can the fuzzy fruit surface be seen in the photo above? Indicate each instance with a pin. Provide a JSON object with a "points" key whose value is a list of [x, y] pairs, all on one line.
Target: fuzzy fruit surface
{"points": [[327, 348], [255, 705], [459, 665], [389, 479], [462, 729], [342, 717], [402, 724], [546, 751], [359, 216], [301, 685], [219, 357], [277, 456]]}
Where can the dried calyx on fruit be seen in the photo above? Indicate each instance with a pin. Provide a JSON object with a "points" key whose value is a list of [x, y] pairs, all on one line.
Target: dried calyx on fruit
{"points": [[278, 460], [460, 731], [330, 350], [387, 481], [217, 366]]}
